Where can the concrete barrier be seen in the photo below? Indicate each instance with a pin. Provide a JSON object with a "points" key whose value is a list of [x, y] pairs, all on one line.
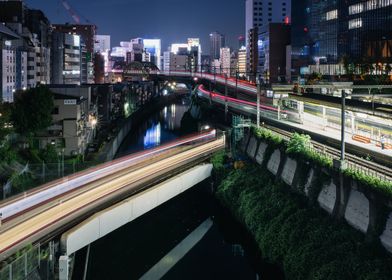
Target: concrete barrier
{"points": [[357, 211], [261, 152], [327, 197], [288, 172], [386, 236], [274, 162], [252, 147]]}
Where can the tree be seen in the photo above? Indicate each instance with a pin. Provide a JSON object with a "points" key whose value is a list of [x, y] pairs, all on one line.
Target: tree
{"points": [[32, 110], [5, 127]]}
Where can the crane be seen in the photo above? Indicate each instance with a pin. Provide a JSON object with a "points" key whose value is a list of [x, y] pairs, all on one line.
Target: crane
{"points": [[71, 11]]}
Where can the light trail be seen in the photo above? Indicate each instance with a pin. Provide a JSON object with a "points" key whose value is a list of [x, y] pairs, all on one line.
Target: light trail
{"points": [[62, 213], [17, 206]]}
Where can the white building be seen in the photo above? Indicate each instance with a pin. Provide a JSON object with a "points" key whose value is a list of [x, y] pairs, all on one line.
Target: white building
{"points": [[153, 47], [242, 61], [102, 43], [13, 64], [225, 60]]}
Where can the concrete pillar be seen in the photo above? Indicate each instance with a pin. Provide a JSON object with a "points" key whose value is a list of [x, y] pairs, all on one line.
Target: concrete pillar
{"points": [[64, 268], [342, 195]]}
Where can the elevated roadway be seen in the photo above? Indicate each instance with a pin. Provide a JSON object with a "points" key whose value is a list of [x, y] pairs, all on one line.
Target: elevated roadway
{"points": [[51, 209]]}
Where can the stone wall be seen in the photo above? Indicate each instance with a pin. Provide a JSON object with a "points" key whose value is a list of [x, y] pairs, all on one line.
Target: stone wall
{"points": [[359, 207]]}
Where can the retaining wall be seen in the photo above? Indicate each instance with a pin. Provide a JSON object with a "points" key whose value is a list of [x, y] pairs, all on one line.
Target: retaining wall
{"points": [[349, 201]]}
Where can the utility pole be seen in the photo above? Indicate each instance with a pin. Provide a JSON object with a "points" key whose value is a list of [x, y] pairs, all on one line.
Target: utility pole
{"points": [[226, 93], [343, 129], [258, 102], [236, 83]]}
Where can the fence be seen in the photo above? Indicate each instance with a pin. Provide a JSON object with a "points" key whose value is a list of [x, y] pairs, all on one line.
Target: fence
{"points": [[23, 266]]}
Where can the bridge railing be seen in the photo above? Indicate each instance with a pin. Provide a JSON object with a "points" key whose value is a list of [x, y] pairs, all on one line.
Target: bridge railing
{"points": [[23, 266]]}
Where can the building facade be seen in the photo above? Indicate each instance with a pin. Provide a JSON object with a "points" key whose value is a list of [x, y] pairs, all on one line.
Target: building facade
{"points": [[217, 41], [341, 33], [272, 42], [87, 33], [66, 59], [225, 60]]}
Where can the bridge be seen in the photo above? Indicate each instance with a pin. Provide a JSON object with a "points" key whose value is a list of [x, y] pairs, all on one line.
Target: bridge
{"points": [[50, 210]]}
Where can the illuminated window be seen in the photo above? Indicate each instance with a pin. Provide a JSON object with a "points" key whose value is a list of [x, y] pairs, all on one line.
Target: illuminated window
{"points": [[355, 23], [332, 15], [356, 9], [371, 5], [385, 3]]}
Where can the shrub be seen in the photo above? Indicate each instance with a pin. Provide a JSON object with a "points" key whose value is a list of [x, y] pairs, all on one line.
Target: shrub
{"points": [[303, 239]]}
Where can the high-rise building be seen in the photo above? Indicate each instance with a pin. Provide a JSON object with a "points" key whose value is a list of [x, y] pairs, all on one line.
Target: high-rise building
{"points": [[301, 41], [242, 62], [241, 41], [8, 68], [225, 60], [194, 48], [257, 14], [66, 58], [262, 12], [87, 34], [217, 41], [272, 42], [344, 32], [33, 27], [252, 60]]}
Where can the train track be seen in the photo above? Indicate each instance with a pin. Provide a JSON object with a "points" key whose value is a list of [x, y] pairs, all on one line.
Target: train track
{"points": [[355, 162]]}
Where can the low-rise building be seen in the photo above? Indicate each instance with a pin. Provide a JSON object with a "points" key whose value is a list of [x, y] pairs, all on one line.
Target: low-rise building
{"points": [[74, 120]]}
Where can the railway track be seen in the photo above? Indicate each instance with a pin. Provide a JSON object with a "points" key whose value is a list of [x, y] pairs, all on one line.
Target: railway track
{"points": [[354, 162]]}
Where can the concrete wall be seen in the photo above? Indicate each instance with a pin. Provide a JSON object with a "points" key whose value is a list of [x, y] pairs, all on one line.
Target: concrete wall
{"points": [[351, 202], [128, 210]]}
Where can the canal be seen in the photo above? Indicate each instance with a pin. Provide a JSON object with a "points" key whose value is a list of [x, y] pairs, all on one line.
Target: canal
{"points": [[189, 237]]}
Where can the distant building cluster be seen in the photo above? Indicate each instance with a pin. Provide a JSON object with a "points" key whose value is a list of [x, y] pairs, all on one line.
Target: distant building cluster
{"points": [[33, 51], [285, 42]]}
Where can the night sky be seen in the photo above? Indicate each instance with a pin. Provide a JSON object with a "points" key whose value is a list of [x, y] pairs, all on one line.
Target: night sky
{"points": [[170, 20]]}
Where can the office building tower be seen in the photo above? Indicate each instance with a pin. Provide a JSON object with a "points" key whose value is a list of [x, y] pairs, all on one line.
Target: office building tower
{"points": [[217, 41]]}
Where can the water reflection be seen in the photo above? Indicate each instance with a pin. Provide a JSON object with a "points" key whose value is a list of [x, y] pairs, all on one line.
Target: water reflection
{"points": [[152, 138], [158, 129], [172, 115]]}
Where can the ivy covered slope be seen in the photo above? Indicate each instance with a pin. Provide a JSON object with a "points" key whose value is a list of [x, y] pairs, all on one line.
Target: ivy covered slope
{"points": [[306, 242], [300, 147]]}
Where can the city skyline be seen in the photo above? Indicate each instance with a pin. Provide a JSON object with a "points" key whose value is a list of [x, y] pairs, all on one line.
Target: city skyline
{"points": [[230, 22]]}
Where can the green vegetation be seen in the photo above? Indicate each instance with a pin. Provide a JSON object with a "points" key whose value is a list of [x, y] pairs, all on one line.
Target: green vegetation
{"points": [[32, 110], [268, 136], [300, 148], [220, 171], [304, 240], [371, 182]]}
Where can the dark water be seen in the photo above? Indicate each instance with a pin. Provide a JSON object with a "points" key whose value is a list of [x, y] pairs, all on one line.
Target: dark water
{"points": [[224, 252], [162, 127]]}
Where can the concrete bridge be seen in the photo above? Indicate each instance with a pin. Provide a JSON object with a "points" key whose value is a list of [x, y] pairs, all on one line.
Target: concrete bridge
{"points": [[114, 193]]}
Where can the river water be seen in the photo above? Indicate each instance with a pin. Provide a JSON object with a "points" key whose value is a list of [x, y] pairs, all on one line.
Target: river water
{"points": [[217, 252]]}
